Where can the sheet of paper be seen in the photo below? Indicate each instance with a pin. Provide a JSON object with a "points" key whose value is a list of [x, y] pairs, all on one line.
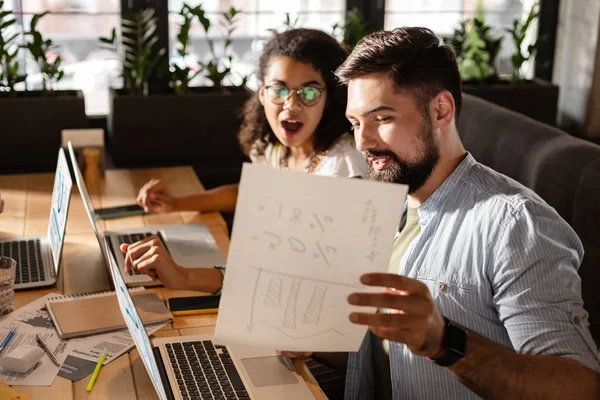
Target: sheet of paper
{"points": [[299, 245], [45, 371], [77, 356], [81, 360]]}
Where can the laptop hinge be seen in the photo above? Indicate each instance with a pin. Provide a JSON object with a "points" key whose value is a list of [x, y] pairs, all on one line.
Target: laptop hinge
{"points": [[110, 246], [163, 373], [52, 269]]}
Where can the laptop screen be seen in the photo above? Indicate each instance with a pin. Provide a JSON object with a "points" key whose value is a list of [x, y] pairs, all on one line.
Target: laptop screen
{"points": [[61, 194], [85, 196], [130, 314], [134, 324]]}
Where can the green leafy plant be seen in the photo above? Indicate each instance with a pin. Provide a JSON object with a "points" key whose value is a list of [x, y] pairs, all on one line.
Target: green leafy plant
{"points": [[182, 76], [137, 49], [476, 50], [288, 24], [9, 66], [219, 65], [41, 50], [492, 44], [353, 30], [457, 40], [475, 60], [518, 32]]}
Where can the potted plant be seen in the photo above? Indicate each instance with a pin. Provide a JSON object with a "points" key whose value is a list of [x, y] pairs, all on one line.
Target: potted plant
{"points": [[182, 124], [32, 120], [477, 49]]}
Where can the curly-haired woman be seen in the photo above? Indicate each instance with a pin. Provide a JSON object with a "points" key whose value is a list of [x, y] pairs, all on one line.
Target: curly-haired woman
{"points": [[295, 122]]}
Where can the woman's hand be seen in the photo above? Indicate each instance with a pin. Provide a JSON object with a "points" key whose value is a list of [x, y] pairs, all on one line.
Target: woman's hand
{"points": [[153, 197], [150, 257]]}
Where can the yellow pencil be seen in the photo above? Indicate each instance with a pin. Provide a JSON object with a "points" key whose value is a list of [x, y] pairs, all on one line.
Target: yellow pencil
{"points": [[96, 371]]}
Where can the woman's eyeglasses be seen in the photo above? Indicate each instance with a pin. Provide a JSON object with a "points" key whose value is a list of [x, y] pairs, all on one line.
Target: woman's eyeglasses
{"points": [[308, 95]]}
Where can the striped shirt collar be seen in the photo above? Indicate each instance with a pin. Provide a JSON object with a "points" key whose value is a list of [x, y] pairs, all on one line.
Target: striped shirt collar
{"points": [[436, 201]]}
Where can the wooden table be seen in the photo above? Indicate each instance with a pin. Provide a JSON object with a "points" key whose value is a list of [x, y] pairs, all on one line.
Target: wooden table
{"points": [[27, 206]]}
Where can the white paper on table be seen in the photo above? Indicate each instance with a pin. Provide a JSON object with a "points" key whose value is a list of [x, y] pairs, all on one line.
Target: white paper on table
{"points": [[45, 372], [115, 343], [33, 318], [28, 321], [299, 244]]}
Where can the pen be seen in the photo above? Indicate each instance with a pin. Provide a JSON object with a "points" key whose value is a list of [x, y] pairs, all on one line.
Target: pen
{"points": [[47, 350], [7, 339], [96, 371]]}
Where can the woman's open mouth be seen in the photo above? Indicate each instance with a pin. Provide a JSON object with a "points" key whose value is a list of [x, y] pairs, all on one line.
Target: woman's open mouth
{"points": [[291, 126]]}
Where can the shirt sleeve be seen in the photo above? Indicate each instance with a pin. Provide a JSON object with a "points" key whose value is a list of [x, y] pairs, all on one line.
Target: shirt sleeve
{"points": [[537, 290], [344, 160], [261, 159], [222, 270]]}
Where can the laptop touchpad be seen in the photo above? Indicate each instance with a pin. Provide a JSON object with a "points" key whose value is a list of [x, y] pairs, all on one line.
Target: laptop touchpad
{"points": [[269, 371]]}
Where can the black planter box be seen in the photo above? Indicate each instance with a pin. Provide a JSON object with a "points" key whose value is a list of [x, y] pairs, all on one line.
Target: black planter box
{"points": [[537, 99], [199, 129], [31, 125]]}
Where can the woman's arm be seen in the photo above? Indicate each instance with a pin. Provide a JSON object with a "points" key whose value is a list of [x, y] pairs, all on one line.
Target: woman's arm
{"points": [[221, 199], [153, 197]]}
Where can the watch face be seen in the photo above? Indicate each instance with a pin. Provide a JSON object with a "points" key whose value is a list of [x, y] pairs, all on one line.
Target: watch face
{"points": [[457, 338], [456, 343]]}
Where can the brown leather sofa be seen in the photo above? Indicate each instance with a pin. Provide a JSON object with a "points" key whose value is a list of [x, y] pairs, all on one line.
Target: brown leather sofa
{"points": [[562, 169]]}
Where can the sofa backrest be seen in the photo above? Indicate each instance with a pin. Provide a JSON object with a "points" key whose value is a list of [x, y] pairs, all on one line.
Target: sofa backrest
{"points": [[562, 169]]}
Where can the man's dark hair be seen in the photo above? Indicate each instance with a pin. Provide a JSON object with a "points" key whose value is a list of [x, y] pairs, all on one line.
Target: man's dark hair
{"points": [[325, 54], [416, 60]]}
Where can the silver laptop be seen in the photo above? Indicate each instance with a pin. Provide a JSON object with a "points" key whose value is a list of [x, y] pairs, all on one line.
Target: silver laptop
{"points": [[193, 367], [38, 257], [190, 245]]}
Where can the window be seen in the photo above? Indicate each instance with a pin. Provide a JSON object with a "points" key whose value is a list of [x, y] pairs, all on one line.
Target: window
{"points": [[442, 16], [75, 26]]}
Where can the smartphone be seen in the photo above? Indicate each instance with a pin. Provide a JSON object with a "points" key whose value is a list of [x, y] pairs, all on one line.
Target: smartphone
{"points": [[119, 211], [194, 305]]}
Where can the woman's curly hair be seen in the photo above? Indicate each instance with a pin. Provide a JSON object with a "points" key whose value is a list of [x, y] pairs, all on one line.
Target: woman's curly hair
{"points": [[325, 54]]}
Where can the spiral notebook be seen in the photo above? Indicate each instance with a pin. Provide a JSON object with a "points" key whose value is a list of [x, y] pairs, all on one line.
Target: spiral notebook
{"points": [[92, 313]]}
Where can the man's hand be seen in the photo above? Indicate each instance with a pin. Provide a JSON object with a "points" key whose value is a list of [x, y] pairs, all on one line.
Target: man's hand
{"points": [[149, 256], [413, 317], [153, 197]]}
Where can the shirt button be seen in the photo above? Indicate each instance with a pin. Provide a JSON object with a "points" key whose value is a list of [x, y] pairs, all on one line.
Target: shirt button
{"points": [[442, 286], [577, 320]]}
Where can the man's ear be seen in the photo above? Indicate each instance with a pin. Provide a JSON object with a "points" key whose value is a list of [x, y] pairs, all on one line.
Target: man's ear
{"points": [[442, 109], [261, 94]]}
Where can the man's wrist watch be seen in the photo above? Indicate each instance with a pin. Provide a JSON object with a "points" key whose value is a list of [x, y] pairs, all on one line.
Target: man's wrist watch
{"points": [[455, 344]]}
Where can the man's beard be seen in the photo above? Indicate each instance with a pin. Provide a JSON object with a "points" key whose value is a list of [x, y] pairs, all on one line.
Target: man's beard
{"points": [[413, 174]]}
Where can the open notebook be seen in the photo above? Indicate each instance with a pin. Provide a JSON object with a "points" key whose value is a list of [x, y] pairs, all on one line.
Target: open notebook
{"points": [[89, 314]]}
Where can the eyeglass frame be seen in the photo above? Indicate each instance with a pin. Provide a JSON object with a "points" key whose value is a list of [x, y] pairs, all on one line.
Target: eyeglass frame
{"points": [[297, 91]]}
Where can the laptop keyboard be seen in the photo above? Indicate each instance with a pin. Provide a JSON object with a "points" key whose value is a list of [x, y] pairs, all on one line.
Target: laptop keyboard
{"points": [[136, 237], [28, 254], [205, 371]]}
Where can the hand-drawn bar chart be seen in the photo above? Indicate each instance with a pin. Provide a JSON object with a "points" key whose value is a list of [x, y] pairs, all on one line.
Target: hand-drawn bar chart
{"points": [[299, 245]]}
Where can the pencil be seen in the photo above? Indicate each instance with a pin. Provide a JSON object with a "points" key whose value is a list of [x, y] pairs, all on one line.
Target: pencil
{"points": [[7, 339], [96, 371]]}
